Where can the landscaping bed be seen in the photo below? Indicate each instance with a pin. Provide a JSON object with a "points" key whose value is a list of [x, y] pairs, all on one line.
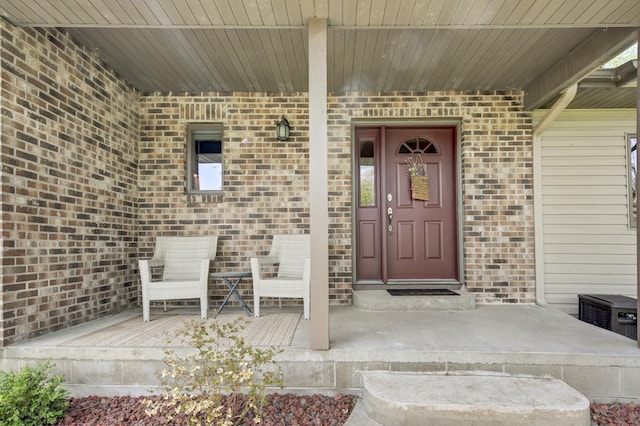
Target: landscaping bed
{"points": [[281, 409], [287, 409], [615, 414]]}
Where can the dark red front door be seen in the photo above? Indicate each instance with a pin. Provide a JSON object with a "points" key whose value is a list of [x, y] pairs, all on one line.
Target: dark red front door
{"points": [[401, 239], [421, 242]]}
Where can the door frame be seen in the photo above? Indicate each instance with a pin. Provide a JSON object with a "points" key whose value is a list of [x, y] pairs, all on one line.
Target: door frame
{"points": [[457, 124]]}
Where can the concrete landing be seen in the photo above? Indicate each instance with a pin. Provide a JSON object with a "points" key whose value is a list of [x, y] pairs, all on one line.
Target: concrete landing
{"points": [[381, 300], [469, 398], [524, 339]]}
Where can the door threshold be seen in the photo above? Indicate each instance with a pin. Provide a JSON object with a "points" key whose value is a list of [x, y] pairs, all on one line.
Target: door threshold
{"points": [[407, 284]]}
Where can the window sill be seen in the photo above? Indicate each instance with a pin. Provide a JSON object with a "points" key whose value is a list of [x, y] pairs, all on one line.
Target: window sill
{"points": [[205, 197]]}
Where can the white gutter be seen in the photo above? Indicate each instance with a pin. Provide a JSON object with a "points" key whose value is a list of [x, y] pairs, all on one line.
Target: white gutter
{"points": [[551, 115]]}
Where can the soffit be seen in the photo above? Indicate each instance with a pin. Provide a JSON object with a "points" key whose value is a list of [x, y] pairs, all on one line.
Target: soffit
{"points": [[377, 45]]}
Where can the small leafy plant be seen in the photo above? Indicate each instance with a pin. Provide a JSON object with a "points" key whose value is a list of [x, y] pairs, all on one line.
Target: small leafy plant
{"points": [[32, 396], [224, 381]]}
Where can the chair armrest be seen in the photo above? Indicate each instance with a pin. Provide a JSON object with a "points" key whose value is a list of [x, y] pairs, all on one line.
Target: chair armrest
{"points": [[306, 273], [149, 264], [145, 271], [204, 269], [155, 262], [257, 264]]}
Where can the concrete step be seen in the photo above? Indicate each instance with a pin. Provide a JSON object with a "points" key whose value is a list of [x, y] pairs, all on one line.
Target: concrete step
{"points": [[469, 398], [381, 300]]}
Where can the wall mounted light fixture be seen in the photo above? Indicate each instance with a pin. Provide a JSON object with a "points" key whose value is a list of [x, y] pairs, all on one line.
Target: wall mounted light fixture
{"points": [[282, 131]]}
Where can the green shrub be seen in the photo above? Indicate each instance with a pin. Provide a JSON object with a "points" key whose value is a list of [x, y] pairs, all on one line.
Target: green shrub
{"points": [[222, 382], [31, 397]]}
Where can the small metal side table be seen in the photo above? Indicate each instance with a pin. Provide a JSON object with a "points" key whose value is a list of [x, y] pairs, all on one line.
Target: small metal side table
{"points": [[232, 280]]}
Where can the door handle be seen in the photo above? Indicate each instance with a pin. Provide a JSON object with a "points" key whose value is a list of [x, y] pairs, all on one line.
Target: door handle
{"points": [[390, 215]]}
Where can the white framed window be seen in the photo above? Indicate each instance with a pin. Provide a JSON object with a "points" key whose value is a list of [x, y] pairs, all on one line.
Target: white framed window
{"points": [[204, 157], [632, 149]]}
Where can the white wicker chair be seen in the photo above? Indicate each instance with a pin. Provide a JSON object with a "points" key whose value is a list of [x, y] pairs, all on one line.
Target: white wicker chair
{"points": [[185, 272], [292, 255]]}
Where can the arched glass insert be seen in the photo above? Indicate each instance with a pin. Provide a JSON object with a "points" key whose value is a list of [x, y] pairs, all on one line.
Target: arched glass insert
{"points": [[418, 145]]}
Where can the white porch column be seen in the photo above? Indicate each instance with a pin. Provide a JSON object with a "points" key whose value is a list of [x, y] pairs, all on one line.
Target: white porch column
{"points": [[318, 179]]}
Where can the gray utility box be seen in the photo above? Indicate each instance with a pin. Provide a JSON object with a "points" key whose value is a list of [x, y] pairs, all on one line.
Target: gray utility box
{"points": [[613, 312]]}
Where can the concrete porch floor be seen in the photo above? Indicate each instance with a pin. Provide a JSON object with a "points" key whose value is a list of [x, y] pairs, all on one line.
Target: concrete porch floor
{"points": [[517, 339]]}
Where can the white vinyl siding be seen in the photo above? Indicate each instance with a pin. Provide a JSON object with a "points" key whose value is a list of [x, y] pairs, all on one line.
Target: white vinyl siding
{"points": [[588, 245]]}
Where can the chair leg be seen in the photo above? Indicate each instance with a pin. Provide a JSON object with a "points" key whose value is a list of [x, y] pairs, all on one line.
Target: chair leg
{"points": [[145, 310], [203, 308], [256, 305], [306, 309]]}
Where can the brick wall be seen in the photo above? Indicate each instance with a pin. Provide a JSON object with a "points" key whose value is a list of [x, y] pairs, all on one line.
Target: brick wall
{"points": [[69, 185], [81, 151], [497, 164], [266, 181], [497, 179]]}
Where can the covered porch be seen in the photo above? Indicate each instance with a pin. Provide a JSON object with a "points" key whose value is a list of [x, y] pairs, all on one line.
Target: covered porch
{"points": [[514, 339], [97, 154]]}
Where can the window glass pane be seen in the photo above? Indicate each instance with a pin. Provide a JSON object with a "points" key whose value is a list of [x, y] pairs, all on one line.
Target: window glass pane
{"points": [[367, 174], [209, 176], [205, 152], [404, 149], [431, 149], [418, 145], [633, 178]]}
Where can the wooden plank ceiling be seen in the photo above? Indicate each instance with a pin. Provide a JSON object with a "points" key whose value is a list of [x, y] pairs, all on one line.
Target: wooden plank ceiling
{"points": [[374, 45]]}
